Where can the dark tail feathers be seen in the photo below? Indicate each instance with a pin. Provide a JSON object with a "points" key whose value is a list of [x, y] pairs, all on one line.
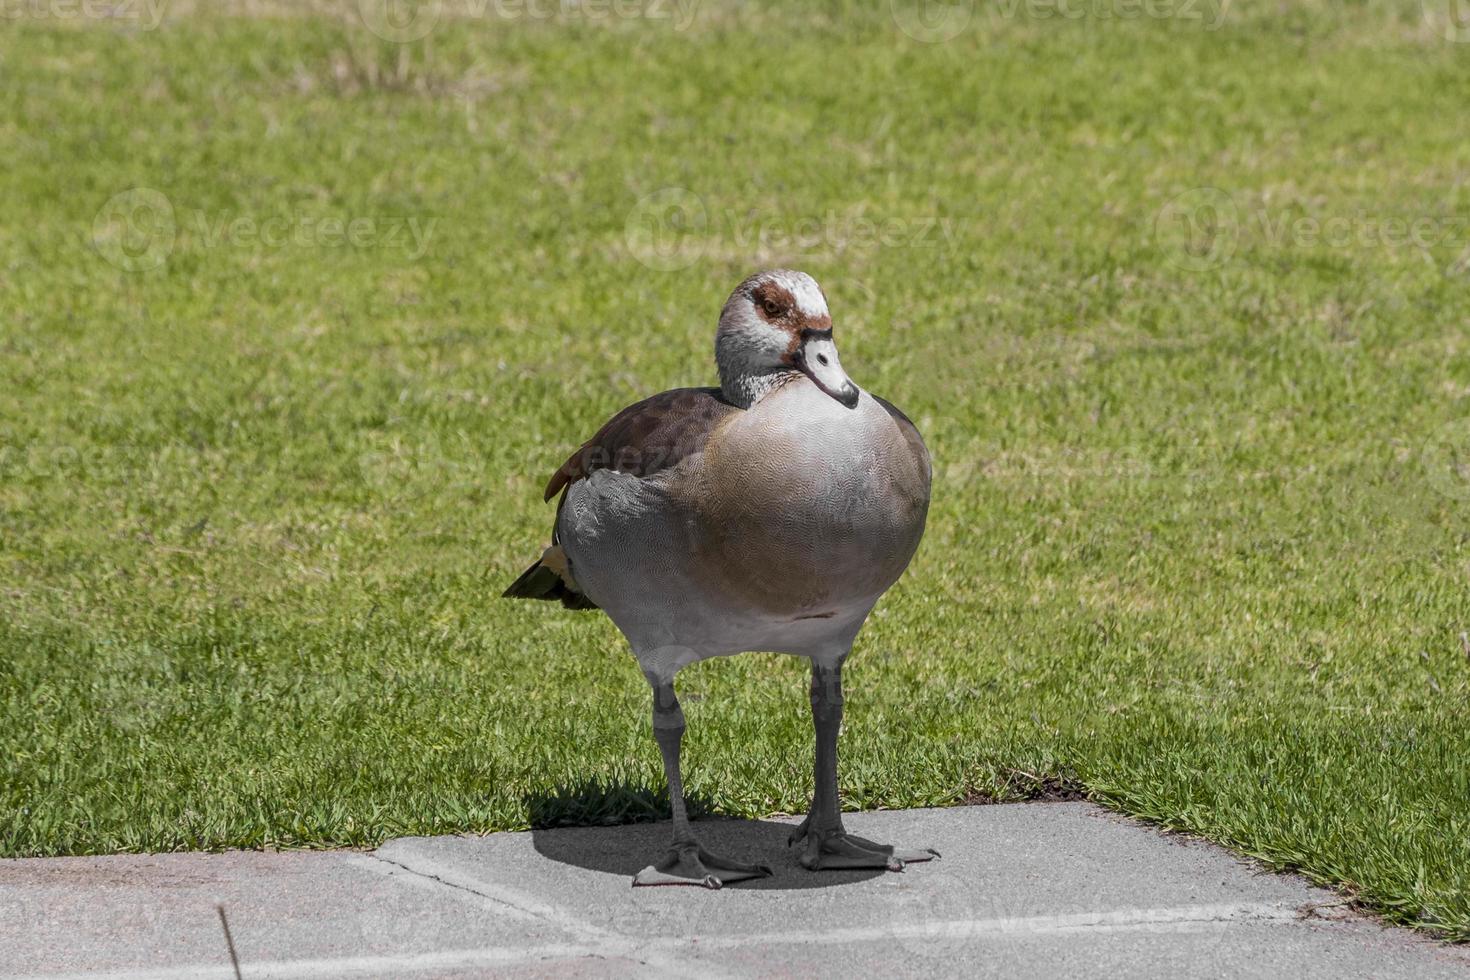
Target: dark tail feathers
{"points": [[549, 578]]}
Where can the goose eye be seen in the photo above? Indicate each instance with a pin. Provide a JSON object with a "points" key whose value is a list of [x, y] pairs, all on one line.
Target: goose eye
{"points": [[772, 307]]}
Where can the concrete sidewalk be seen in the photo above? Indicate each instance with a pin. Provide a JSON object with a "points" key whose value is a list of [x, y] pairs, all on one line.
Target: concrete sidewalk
{"points": [[1027, 890]]}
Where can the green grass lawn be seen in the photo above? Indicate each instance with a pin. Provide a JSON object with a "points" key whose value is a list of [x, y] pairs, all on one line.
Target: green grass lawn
{"points": [[1180, 304]]}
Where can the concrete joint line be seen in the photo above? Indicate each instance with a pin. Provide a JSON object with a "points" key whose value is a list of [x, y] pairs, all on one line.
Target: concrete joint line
{"points": [[520, 905], [1127, 920], [516, 903]]}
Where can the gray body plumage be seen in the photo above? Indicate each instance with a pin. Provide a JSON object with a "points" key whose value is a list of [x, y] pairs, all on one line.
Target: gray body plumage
{"points": [[770, 513], [780, 535]]}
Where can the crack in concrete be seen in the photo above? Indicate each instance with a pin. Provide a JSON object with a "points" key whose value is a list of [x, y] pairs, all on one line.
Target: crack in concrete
{"points": [[662, 962], [429, 879]]}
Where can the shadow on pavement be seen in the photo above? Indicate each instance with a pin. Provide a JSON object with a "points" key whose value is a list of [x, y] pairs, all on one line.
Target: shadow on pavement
{"points": [[634, 832]]}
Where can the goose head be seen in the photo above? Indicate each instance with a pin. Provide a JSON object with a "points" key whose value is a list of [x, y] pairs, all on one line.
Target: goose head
{"points": [[774, 324]]}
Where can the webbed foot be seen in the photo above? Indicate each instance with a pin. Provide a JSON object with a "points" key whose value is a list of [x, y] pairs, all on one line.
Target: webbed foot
{"points": [[691, 864], [837, 849]]}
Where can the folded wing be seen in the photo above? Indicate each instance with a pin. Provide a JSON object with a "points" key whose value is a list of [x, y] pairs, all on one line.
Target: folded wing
{"points": [[652, 435], [641, 440]]}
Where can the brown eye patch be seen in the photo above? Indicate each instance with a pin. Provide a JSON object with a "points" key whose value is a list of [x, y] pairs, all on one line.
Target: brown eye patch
{"points": [[773, 301]]}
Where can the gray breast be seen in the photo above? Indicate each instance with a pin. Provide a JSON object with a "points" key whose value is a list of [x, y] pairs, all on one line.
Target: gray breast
{"points": [[803, 504], [797, 507]]}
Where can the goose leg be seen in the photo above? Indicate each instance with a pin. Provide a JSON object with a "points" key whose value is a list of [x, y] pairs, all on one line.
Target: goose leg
{"points": [[828, 845], [685, 862]]}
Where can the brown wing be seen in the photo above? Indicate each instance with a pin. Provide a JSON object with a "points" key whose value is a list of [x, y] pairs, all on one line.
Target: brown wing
{"points": [[652, 435]]}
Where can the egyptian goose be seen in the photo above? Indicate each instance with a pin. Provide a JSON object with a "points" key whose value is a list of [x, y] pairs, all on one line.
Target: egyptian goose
{"points": [[769, 513]]}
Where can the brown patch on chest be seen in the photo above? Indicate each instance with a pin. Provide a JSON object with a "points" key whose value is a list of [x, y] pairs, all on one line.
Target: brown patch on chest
{"points": [[796, 524]]}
